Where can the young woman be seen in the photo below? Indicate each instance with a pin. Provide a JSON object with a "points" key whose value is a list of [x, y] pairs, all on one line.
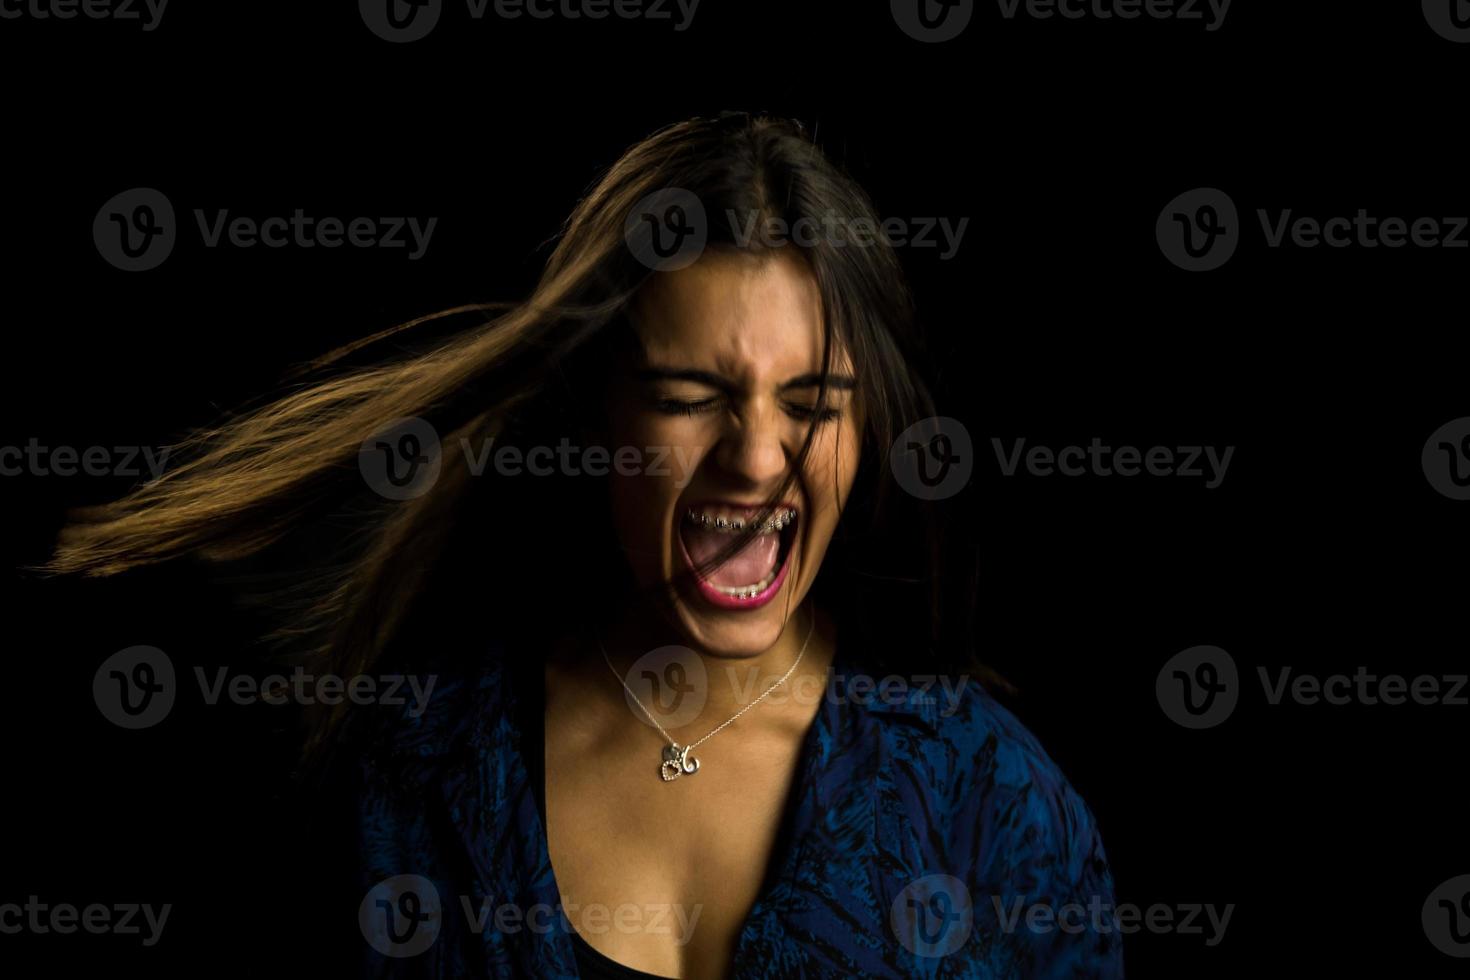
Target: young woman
{"points": [[643, 532]]}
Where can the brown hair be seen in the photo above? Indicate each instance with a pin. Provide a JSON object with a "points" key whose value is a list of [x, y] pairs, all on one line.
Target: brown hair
{"points": [[523, 372]]}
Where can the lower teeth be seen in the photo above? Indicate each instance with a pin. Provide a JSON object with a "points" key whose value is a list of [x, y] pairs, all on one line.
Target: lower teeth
{"points": [[749, 591]]}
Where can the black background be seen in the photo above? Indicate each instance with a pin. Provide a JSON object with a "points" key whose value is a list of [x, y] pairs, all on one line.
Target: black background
{"points": [[1059, 319]]}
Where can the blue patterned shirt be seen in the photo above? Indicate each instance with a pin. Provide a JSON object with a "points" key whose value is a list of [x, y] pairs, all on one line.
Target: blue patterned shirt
{"points": [[927, 835]]}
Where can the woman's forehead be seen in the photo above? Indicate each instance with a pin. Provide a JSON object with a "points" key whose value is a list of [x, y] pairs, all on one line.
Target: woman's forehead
{"points": [[736, 313]]}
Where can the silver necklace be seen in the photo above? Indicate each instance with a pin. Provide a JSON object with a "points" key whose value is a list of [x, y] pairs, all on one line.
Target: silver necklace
{"points": [[676, 760]]}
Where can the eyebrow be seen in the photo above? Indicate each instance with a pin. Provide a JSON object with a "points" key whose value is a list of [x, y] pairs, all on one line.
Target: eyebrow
{"points": [[841, 382]]}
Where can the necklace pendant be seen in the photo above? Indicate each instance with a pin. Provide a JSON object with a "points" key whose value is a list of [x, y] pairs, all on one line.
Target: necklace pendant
{"points": [[676, 762]]}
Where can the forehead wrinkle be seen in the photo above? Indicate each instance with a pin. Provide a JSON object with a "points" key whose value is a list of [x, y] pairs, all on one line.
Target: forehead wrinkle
{"points": [[746, 309]]}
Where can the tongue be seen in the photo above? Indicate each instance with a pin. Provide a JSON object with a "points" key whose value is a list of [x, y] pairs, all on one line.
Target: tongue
{"points": [[749, 565]]}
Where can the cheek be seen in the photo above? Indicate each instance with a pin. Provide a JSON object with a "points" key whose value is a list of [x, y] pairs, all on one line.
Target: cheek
{"points": [[646, 431], [669, 450], [833, 465], [639, 522], [634, 466], [651, 464]]}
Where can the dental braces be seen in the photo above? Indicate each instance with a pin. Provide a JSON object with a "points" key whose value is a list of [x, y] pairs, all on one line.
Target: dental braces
{"points": [[751, 592], [776, 523]]}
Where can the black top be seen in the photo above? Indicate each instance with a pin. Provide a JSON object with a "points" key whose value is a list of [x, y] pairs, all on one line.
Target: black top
{"points": [[593, 965], [532, 722]]}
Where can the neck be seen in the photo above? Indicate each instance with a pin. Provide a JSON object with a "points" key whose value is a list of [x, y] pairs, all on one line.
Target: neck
{"points": [[729, 682]]}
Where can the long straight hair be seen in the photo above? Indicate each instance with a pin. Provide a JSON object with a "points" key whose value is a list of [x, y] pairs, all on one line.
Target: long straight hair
{"points": [[478, 552]]}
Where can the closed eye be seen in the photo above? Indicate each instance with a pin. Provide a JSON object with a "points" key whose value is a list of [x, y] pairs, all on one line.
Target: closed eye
{"points": [[702, 406], [676, 406], [807, 413]]}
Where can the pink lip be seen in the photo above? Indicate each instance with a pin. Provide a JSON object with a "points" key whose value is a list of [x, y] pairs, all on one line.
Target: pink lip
{"points": [[715, 597]]}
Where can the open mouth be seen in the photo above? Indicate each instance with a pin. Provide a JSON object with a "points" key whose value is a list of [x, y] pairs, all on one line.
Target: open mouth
{"points": [[750, 577]]}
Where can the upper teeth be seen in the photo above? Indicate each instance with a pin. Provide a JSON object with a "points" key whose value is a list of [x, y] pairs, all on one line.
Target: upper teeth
{"points": [[731, 525]]}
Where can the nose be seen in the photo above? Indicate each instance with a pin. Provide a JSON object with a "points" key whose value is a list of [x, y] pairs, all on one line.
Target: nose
{"points": [[752, 450]]}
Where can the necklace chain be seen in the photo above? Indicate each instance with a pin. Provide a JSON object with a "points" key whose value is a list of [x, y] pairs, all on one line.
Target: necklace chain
{"points": [[681, 752]]}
